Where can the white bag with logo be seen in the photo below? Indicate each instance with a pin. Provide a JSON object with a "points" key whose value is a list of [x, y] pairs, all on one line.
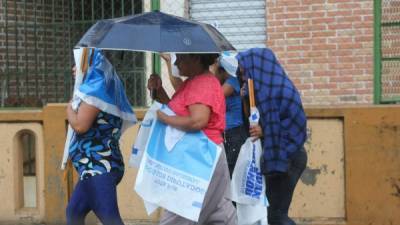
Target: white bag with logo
{"points": [[248, 183], [176, 164]]}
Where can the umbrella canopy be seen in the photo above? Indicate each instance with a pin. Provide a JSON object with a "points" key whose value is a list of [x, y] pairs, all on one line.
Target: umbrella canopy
{"points": [[155, 32]]}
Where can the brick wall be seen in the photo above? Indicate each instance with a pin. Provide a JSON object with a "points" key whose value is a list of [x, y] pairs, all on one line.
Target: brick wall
{"points": [[326, 47]]}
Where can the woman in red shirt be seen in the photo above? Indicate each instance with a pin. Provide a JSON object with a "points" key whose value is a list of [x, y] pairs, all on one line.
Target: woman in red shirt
{"points": [[199, 104]]}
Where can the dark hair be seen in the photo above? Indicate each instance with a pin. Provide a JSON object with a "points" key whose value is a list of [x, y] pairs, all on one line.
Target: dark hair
{"points": [[206, 59]]}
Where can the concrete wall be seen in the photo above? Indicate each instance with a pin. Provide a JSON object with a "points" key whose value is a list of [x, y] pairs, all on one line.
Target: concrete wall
{"points": [[11, 176], [321, 190], [352, 176]]}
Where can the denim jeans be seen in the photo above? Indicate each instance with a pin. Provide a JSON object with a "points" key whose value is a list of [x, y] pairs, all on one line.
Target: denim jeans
{"points": [[233, 140], [280, 188]]}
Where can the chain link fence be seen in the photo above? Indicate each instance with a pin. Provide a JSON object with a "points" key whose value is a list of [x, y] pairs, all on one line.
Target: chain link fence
{"points": [[389, 28]]}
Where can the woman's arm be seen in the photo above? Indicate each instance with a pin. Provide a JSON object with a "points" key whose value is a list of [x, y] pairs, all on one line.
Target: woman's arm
{"points": [[197, 119], [82, 120], [228, 89]]}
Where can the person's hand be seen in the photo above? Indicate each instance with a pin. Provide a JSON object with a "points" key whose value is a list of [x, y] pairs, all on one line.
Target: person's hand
{"points": [[166, 57], [161, 116], [154, 82], [255, 132]]}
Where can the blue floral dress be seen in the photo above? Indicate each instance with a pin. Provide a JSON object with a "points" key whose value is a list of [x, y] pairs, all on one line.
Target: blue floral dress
{"points": [[97, 151]]}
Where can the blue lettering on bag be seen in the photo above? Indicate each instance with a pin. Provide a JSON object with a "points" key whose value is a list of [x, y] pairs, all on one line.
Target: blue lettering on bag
{"points": [[197, 204], [254, 183]]}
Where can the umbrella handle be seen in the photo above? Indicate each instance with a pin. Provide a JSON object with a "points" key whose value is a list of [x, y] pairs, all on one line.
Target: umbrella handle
{"points": [[251, 93]]}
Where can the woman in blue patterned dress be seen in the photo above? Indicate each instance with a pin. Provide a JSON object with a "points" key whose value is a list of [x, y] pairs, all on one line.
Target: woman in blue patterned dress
{"points": [[94, 149]]}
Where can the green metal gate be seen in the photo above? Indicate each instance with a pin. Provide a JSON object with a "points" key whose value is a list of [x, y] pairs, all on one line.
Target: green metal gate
{"points": [[387, 51], [37, 38]]}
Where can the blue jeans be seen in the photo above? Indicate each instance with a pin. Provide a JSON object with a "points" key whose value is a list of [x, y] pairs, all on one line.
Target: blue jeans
{"points": [[280, 188], [97, 193]]}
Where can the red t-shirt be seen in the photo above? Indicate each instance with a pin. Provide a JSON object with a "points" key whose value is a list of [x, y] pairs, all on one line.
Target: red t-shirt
{"points": [[202, 89]]}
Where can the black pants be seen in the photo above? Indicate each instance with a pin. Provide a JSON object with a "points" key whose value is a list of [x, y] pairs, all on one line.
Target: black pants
{"points": [[233, 140], [280, 188]]}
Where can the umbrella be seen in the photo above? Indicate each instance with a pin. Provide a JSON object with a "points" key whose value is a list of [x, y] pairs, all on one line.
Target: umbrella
{"points": [[155, 32]]}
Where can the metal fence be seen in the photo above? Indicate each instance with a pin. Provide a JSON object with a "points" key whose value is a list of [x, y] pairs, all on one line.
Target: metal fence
{"points": [[36, 42], [387, 51]]}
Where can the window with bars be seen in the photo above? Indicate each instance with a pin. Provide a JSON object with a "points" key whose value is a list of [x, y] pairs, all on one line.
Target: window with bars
{"points": [[37, 38], [387, 51]]}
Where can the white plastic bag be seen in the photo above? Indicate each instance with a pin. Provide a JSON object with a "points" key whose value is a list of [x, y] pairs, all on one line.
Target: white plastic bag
{"points": [[143, 135], [176, 179], [248, 185], [251, 214]]}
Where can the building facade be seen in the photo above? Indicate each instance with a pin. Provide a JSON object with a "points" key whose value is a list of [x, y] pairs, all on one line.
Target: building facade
{"points": [[334, 51], [337, 52]]}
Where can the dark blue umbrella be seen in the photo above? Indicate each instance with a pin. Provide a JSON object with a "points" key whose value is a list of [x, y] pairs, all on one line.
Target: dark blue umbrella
{"points": [[155, 32]]}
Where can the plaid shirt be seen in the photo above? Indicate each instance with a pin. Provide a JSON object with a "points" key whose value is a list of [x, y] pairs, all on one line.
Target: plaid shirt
{"points": [[283, 120]]}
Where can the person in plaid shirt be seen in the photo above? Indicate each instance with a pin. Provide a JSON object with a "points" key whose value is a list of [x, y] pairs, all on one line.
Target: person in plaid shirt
{"points": [[282, 129]]}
